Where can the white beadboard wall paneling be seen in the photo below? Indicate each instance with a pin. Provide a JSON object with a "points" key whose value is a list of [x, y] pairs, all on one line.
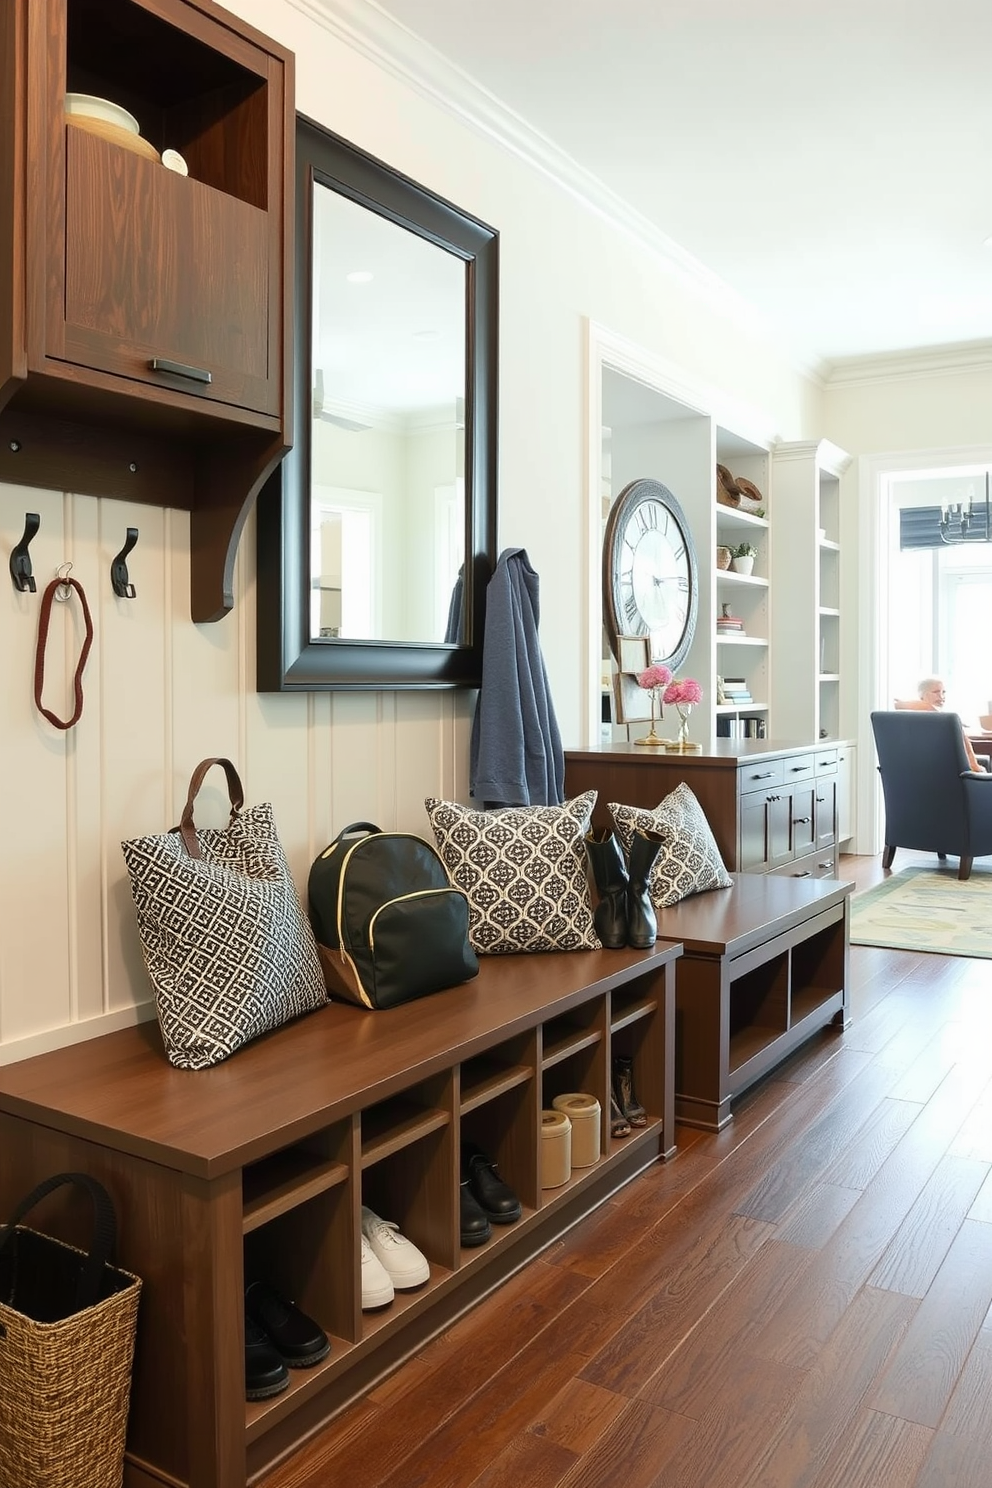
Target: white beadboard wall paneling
{"points": [[135, 641], [86, 769], [362, 788], [35, 905], [420, 762], [287, 741], [208, 707]]}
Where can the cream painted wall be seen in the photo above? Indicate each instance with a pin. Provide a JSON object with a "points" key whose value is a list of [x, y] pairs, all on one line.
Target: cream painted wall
{"points": [[161, 693]]}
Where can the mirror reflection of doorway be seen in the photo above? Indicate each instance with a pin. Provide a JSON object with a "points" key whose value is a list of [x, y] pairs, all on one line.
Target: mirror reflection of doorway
{"points": [[346, 585]]}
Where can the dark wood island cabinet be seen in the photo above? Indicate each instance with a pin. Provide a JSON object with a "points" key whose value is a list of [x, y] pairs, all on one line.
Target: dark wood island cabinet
{"points": [[772, 806]]}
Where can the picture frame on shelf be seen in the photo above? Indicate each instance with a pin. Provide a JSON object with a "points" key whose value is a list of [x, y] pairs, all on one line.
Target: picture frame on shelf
{"points": [[631, 703]]}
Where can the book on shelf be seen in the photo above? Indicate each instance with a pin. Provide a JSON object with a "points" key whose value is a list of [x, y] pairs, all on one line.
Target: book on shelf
{"points": [[740, 728]]}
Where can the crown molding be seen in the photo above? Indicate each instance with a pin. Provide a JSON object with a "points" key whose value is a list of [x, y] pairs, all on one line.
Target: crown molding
{"points": [[369, 30], [910, 366]]}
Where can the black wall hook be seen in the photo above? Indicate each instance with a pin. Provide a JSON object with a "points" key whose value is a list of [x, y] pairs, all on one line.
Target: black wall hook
{"points": [[118, 569], [20, 559]]}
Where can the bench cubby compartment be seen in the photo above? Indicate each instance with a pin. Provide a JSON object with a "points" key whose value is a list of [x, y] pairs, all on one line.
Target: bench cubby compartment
{"points": [[261, 1166], [764, 966]]}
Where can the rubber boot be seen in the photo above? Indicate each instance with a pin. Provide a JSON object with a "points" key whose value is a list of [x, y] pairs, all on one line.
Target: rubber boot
{"points": [[610, 873], [642, 922]]}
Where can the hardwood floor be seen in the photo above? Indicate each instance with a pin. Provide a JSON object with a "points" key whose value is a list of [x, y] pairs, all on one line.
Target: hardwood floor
{"points": [[802, 1301]]}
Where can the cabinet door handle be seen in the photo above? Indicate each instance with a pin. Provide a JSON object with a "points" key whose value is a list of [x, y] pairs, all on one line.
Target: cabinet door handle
{"points": [[800, 821], [820, 800], [179, 369]]}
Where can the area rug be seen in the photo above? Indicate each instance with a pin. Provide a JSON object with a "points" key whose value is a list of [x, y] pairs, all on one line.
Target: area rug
{"points": [[927, 909]]}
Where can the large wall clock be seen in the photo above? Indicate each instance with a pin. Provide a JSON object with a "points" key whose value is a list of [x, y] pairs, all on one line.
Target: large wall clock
{"points": [[650, 573]]}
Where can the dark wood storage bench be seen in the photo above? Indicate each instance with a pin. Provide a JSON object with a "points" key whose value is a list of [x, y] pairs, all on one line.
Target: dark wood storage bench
{"points": [[764, 966], [262, 1163]]}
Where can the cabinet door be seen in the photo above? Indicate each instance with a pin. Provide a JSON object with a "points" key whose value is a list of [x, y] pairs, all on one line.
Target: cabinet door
{"points": [[160, 266], [778, 829], [753, 856], [802, 820], [825, 811]]}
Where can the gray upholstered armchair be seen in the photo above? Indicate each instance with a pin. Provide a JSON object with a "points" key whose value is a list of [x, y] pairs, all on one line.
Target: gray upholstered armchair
{"points": [[933, 802]]}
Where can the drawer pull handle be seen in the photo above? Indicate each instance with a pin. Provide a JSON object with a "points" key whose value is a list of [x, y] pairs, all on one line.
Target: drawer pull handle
{"points": [[179, 369], [800, 821], [800, 769], [806, 873], [829, 864], [820, 800]]}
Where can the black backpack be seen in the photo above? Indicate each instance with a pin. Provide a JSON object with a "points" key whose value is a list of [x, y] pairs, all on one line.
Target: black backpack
{"points": [[389, 926]]}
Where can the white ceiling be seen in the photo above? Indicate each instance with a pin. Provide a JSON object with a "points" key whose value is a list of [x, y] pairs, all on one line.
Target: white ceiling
{"points": [[827, 159]]}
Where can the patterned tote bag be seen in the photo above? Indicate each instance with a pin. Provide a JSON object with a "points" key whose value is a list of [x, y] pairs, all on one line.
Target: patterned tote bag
{"points": [[228, 948]]}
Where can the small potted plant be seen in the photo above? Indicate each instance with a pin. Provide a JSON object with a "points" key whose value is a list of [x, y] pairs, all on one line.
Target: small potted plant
{"points": [[743, 559]]}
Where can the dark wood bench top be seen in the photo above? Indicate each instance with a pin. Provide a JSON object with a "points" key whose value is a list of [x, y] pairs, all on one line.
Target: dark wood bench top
{"points": [[727, 922], [119, 1089]]}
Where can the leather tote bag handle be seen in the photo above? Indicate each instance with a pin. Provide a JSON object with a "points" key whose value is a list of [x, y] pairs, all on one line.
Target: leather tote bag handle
{"points": [[101, 1249], [235, 791]]}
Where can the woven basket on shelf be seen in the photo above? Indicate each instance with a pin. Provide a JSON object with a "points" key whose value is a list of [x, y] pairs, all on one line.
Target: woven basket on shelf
{"points": [[65, 1361]]}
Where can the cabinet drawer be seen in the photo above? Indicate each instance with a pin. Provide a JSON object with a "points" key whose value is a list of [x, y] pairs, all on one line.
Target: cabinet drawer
{"points": [[826, 762], [798, 767], [761, 775]]}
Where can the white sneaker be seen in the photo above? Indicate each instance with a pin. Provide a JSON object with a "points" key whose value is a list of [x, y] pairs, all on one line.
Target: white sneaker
{"points": [[377, 1289], [405, 1266]]}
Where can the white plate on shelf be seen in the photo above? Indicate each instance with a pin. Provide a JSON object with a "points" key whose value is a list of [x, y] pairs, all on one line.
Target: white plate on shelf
{"points": [[91, 107]]}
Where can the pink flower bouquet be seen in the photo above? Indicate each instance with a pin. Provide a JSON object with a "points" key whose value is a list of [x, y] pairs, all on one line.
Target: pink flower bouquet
{"points": [[686, 691]]}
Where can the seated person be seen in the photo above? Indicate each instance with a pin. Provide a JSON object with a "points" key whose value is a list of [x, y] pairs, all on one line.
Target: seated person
{"points": [[932, 695]]}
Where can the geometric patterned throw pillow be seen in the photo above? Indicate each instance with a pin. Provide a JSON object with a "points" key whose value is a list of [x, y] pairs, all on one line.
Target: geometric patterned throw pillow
{"points": [[523, 871], [688, 860]]}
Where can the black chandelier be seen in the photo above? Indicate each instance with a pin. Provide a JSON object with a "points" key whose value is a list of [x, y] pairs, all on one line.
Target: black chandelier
{"points": [[956, 520]]}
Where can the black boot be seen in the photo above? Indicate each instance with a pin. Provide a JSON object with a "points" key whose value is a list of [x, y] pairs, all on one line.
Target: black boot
{"points": [[610, 873], [642, 922], [623, 1090]]}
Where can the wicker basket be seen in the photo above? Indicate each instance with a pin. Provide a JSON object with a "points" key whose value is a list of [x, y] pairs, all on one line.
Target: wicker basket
{"points": [[723, 557], [65, 1362]]}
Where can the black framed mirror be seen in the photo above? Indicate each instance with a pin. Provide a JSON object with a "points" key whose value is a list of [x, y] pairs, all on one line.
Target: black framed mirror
{"points": [[377, 535]]}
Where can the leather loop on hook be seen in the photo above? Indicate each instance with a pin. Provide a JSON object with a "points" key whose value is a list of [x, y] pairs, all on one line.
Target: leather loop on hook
{"points": [[39, 663]]}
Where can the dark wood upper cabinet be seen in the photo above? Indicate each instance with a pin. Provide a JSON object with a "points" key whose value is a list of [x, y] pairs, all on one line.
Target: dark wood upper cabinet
{"points": [[145, 315]]}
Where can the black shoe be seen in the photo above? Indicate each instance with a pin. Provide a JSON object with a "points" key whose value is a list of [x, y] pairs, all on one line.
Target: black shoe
{"points": [[496, 1199], [265, 1372], [296, 1338], [476, 1228]]}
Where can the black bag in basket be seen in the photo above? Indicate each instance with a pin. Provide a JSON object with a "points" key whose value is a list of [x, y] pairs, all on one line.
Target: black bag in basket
{"points": [[389, 926]]}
